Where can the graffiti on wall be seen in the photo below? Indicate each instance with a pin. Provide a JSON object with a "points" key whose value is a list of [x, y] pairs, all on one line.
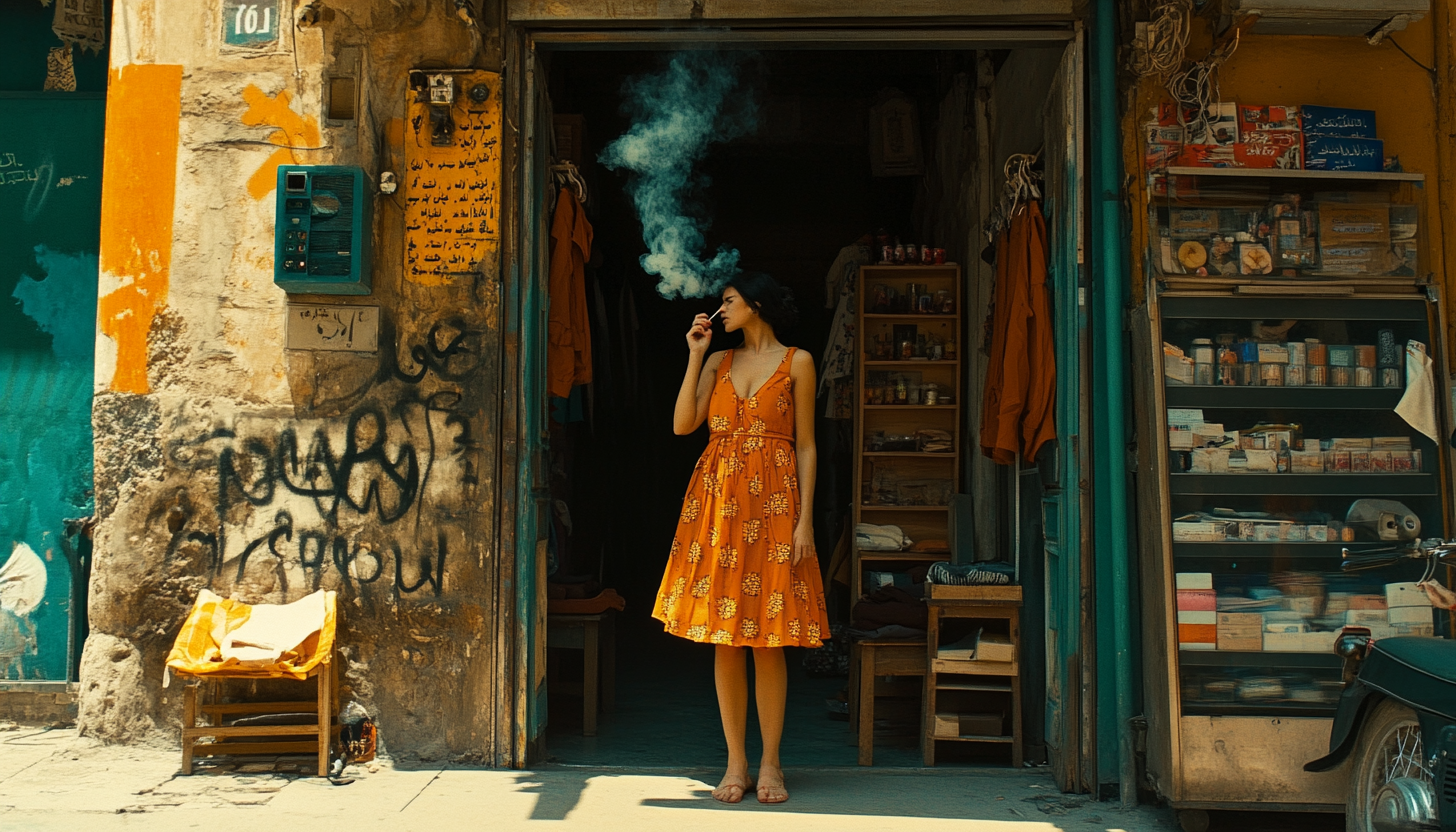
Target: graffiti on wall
{"points": [[374, 500]]}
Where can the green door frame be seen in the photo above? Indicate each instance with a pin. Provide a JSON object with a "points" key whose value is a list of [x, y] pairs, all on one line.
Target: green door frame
{"points": [[526, 308]]}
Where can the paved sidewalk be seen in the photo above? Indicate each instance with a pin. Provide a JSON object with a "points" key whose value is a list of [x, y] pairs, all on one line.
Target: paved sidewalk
{"points": [[53, 780]]}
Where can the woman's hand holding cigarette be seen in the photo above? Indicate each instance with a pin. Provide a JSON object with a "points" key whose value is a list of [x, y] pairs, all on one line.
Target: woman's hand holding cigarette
{"points": [[701, 334]]}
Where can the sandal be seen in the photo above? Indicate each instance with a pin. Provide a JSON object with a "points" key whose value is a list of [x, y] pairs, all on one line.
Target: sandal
{"points": [[771, 793], [730, 796]]}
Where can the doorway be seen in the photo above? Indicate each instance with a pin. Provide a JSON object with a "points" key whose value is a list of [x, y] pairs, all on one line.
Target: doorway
{"points": [[791, 194]]}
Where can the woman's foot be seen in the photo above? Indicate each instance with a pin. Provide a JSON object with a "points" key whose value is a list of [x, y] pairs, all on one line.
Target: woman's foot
{"points": [[732, 788], [771, 785]]}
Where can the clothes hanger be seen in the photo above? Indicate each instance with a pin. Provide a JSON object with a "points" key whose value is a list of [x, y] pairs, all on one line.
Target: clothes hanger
{"points": [[566, 175]]}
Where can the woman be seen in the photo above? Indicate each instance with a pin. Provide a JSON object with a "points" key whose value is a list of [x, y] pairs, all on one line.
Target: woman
{"points": [[742, 572]]}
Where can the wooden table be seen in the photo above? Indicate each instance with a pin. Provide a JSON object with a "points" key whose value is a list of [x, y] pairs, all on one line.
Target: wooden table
{"points": [[869, 660], [987, 603], [594, 635]]}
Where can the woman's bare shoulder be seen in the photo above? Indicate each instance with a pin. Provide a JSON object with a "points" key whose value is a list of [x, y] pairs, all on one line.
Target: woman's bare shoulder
{"points": [[803, 363], [715, 360]]}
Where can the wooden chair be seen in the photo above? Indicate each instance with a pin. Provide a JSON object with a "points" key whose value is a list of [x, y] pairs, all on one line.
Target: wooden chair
{"points": [[868, 660], [305, 738], [595, 636]]}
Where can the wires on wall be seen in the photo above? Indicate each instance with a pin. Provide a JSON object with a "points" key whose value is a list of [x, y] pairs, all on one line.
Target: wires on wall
{"points": [[1195, 89], [1163, 40]]}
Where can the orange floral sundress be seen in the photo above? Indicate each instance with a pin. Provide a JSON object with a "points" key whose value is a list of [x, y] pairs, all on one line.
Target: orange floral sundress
{"points": [[729, 577]]}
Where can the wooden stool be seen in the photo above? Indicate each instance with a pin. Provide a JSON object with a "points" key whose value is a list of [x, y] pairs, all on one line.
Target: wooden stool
{"points": [[594, 635], [869, 660], [973, 602], [322, 707]]}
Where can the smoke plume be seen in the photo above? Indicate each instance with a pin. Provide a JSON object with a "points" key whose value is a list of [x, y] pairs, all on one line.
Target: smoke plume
{"points": [[677, 114]]}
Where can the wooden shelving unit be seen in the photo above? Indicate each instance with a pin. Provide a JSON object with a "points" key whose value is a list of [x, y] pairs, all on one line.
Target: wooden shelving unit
{"points": [[921, 521], [952, 685]]}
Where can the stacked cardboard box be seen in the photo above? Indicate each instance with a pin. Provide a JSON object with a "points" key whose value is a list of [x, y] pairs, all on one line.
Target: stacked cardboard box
{"points": [[1337, 138], [1269, 137], [1197, 618]]}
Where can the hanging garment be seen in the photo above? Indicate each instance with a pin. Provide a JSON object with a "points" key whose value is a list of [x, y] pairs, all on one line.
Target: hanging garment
{"points": [[730, 578], [569, 348], [1021, 380], [1418, 404], [836, 371]]}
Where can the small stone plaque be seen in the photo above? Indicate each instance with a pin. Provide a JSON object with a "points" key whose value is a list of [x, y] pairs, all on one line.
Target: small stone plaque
{"points": [[332, 328]]}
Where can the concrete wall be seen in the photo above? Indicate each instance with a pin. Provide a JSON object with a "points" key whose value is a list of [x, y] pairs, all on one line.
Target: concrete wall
{"points": [[226, 461]]}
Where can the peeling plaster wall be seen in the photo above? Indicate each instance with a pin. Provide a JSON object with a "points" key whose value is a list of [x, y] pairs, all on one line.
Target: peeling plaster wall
{"points": [[225, 461]]}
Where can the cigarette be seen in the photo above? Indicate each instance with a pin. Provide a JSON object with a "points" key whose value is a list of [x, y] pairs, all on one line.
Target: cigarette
{"points": [[714, 315]]}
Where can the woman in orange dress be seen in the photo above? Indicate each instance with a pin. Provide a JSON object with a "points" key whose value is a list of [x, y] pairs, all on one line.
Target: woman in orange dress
{"points": [[742, 572]]}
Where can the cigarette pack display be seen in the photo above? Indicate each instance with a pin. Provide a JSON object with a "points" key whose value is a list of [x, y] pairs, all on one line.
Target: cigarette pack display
{"points": [[1359, 462], [1197, 600], [1319, 533], [1189, 532], [1367, 602], [1337, 121], [1285, 626], [1193, 580], [1307, 462], [1343, 153], [1405, 594], [1365, 618], [1209, 461], [1193, 223], [1354, 223], [1197, 634], [1409, 615], [1380, 462], [1267, 118], [1269, 152], [1342, 355], [1297, 532], [1180, 439], [1262, 462]]}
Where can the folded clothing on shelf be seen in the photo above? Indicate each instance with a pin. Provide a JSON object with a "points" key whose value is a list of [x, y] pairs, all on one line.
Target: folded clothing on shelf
{"points": [[871, 538], [971, 574]]}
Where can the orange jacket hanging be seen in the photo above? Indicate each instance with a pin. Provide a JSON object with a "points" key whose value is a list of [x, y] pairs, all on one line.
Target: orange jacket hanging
{"points": [[568, 349], [1017, 408]]}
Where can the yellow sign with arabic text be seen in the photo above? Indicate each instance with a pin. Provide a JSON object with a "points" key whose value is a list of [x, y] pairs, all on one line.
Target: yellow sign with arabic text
{"points": [[452, 184]]}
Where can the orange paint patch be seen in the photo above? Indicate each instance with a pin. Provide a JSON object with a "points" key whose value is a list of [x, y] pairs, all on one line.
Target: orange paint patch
{"points": [[294, 130], [138, 192]]}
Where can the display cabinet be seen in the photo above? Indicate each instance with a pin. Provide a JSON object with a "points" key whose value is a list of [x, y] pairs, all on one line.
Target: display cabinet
{"points": [[1272, 356], [1265, 466], [1225, 227], [909, 410]]}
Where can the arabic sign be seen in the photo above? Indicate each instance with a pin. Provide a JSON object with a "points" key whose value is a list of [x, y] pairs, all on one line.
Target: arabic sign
{"points": [[249, 24], [332, 328], [452, 193]]}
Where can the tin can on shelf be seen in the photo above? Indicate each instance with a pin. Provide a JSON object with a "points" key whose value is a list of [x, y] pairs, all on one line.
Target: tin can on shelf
{"points": [[1342, 376], [1228, 374], [1316, 375], [1294, 375], [1342, 355], [1203, 374], [925, 305], [1390, 377], [1315, 352], [1271, 375], [939, 255], [1202, 351], [932, 394], [1365, 355], [1364, 377], [1298, 352], [912, 254], [1248, 375], [887, 253], [898, 255]]}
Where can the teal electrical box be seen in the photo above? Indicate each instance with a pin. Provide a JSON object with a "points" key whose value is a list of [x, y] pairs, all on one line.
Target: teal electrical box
{"points": [[321, 240]]}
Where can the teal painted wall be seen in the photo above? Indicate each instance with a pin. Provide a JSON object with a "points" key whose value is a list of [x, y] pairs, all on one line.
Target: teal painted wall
{"points": [[25, 40], [50, 208]]}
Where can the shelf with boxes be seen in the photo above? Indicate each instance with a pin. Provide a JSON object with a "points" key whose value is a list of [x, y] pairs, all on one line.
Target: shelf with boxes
{"points": [[1228, 227], [1282, 444]]}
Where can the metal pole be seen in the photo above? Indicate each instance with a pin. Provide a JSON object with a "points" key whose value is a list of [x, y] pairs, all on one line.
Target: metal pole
{"points": [[1112, 549]]}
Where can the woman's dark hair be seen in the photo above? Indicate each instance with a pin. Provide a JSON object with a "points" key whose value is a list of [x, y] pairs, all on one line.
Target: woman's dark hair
{"points": [[774, 303]]}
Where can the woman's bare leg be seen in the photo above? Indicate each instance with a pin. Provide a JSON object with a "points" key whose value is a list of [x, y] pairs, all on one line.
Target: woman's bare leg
{"points": [[771, 686], [730, 673]]}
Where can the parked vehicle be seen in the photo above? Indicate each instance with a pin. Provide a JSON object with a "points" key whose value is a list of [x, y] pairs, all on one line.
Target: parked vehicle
{"points": [[1396, 720]]}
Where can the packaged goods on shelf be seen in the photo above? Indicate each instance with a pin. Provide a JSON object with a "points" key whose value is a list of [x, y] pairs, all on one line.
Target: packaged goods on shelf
{"points": [[1269, 137], [1403, 616], [1366, 618], [1344, 153], [994, 647], [1178, 368], [1193, 580], [1209, 461], [1199, 532], [1368, 602], [1196, 600], [1337, 121], [1240, 631], [1405, 594]]}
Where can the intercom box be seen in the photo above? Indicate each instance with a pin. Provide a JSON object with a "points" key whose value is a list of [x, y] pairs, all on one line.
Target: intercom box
{"points": [[323, 230]]}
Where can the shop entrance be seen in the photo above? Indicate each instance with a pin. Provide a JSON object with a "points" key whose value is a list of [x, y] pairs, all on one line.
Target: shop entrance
{"points": [[791, 194]]}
